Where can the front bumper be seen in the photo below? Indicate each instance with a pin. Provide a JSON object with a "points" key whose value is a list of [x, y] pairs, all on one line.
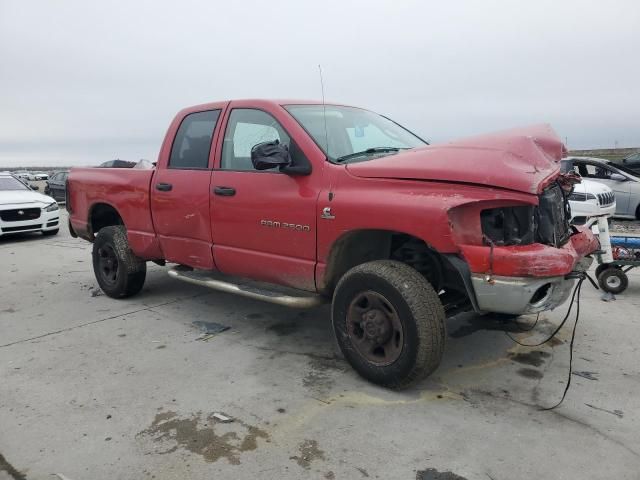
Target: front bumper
{"points": [[590, 208], [535, 260], [520, 295], [47, 221], [528, 279]]}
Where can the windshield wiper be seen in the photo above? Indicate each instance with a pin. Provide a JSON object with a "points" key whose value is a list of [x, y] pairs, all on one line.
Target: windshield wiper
{"points": [[369, 151]]}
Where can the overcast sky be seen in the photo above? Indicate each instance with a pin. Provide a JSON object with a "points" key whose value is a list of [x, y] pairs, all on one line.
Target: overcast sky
{"points": [[83, 82]]}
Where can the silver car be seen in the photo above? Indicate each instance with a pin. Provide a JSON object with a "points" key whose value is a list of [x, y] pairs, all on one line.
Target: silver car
{"points": [[624, 182]]}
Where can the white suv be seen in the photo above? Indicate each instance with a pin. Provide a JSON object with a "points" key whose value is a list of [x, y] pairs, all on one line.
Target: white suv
{"points": [[23, 210], [591, 199]]}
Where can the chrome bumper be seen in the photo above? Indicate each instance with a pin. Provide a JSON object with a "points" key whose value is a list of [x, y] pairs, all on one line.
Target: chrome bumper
{"points": [[520, 295]]}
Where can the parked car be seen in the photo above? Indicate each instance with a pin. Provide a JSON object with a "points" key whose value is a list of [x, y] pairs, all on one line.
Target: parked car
{"points": [[312, 202], [22, 174], [24, 210], [624, 182], [632, 162], [56, 185], [591, 199], [117, 164], [37, 176]]}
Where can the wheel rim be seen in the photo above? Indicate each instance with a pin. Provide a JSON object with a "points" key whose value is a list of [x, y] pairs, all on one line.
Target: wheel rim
{"points": [[108, 264], [374, 328], [613, 282]]}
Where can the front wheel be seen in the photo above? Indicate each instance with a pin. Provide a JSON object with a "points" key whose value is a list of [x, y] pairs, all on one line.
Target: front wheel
{"points": [[118, 271], [389, 323]]}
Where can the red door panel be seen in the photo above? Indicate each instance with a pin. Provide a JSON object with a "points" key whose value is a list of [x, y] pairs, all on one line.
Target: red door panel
{"points": [[180, 189], [181, 216], [264, 222], [267, 229]]}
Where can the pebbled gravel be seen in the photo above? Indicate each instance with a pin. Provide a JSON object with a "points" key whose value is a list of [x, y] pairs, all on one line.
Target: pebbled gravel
{"points": [[625, 226]]}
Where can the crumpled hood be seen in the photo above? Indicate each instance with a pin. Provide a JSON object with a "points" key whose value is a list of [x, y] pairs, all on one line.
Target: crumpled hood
{"points": [[11, 198], [524, 159]]}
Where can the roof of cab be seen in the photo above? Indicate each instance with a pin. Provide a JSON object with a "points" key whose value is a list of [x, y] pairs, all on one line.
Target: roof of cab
{"points": [[257, 101]]}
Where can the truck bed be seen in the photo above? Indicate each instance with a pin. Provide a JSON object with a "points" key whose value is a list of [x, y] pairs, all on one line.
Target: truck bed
{"points": [[125, 189]]}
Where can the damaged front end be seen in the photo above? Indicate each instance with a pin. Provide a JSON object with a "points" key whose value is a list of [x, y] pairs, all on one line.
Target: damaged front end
{"points": [[527, 252], [547, 223]]}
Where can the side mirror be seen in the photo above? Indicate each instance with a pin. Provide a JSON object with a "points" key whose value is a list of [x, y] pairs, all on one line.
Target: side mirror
{"points": [[616, 177], [34, 187], [267, 155]]}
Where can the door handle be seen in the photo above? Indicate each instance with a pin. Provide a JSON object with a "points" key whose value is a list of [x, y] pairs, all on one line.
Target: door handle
{"points": [[225, 191], [164, 187]]}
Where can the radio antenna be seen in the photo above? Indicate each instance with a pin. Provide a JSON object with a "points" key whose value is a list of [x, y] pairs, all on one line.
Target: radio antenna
{"points": [[324, 110]]}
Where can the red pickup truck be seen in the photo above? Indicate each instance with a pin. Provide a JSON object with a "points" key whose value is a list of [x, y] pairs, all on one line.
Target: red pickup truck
{"points": [[297, 203]]}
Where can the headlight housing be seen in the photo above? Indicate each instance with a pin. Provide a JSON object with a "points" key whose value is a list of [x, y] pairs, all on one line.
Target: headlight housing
{"points": [[509, 225], [52, 207], [581, 197]]}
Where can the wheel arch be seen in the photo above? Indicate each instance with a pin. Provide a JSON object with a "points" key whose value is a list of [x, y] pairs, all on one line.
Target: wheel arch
{"points": [[102, 215], [356, 247]]}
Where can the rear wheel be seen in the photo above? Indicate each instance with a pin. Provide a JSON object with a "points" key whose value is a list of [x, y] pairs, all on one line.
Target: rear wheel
{"points": [[389, 323], [613, 280], [118, 271]]}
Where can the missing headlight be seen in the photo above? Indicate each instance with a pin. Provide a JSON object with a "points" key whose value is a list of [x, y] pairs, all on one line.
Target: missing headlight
{"points": [[509, 225]]}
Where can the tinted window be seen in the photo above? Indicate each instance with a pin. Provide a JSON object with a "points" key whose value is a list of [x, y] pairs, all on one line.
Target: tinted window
{"points": [[246, 128], [193, 141]]}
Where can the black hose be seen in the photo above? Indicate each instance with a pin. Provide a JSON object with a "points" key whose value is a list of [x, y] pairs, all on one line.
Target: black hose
{"points": [[575, 297]]}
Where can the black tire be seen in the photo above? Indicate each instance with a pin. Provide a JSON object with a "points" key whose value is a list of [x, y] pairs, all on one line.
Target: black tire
{"points": [[602, 267], [416, 309], [613, 280], [118, 271], [48, 233]]}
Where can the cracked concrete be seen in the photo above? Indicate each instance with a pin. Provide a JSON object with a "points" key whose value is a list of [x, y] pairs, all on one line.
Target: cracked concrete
{"points": [[83, 382]]}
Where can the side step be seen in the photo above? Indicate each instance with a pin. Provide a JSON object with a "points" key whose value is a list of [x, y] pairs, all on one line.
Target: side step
{"points": [[287, 297]]}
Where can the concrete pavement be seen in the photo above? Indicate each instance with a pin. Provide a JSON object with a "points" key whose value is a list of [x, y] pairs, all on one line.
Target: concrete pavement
{"points": [[95, 388]]}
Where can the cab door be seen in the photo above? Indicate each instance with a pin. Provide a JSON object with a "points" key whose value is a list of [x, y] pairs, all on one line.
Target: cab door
{"points": [[180, 192], [263, 222]]}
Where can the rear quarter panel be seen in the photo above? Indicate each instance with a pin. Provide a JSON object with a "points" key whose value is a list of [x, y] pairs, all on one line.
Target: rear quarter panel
{"points": [[124, 189]]}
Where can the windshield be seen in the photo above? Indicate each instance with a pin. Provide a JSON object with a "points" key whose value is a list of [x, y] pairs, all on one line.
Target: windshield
{"points": [[10, 183], [354, 135], [623, 169]]}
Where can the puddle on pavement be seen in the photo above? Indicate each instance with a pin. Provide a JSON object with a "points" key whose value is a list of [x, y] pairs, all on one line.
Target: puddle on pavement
{"points": [[283, 329], [475, 323], [321, 374], [531, 373], [309, 452], [10, 470], [204, 436], [433, 474], [535, 358]]}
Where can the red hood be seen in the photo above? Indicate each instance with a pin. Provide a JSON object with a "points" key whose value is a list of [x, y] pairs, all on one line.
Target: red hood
{"points": [[523, 159]]}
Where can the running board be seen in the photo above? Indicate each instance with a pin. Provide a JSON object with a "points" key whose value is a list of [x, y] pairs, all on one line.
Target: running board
{"points": [[287, 297]]}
